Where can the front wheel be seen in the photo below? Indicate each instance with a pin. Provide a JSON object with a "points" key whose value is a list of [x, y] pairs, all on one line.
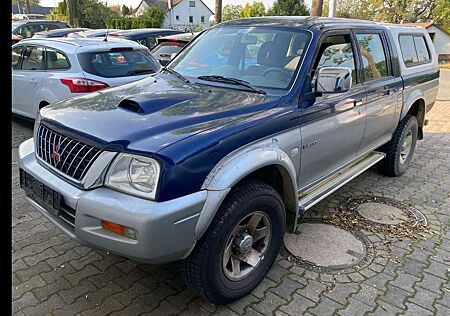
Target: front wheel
{"points": [[400, 149], [240, 245]]}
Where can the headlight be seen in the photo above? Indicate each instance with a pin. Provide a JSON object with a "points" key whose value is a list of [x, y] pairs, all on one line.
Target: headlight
{"points": [[135, 175]]}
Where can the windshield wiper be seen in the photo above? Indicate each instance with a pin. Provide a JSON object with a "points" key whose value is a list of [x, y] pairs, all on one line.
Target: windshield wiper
{"points": [[230, 80], [142, 71], [175, 73]]}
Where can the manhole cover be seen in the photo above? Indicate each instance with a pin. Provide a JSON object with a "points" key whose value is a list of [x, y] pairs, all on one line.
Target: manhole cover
{"points": [[325, 246], [382, 213]]}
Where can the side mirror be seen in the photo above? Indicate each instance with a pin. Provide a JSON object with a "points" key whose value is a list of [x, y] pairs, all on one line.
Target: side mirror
{"points": [[334, 80]]}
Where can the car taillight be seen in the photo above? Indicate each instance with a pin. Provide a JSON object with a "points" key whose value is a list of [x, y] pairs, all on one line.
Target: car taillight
{"points": [[80, 85]]}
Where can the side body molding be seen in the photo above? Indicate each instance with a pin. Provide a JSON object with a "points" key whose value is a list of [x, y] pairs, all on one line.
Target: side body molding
{"points": [[242, 162]]}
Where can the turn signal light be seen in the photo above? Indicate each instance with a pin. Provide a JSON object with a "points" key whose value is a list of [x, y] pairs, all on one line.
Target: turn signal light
{"points": [[119, 229]]}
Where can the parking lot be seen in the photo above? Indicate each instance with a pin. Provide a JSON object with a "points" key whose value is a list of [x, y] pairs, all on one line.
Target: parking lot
{"points": [[53, 274]]}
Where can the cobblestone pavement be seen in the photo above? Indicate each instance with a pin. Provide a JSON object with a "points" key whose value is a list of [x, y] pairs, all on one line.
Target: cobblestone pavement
{"points": [[54, 275]]}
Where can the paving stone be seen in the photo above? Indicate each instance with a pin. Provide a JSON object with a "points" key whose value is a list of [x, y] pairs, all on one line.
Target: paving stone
{"points": [[263, 287], [240, 305], [269, 304], [24, 301], [78, 276], [396, 296], [405, 281], [313, 290], [341, 292], [413, 310], [82, 289], [424, 298], [355, 308], [325, 307], [385, 309], [298, 303], [107, 307], [54, 302], [431, 282]]}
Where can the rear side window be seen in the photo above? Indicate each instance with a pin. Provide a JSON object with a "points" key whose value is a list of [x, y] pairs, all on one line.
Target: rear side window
{"points": [[373, 56], [33, 58], [414, 49], [167, 48], [56, 60], [118, 63], [15, 57], [421, 48], [408, 50]]}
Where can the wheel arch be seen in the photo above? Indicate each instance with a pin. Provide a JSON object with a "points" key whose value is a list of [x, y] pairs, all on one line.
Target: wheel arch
{"points": [[415, 105], [268, 163]]}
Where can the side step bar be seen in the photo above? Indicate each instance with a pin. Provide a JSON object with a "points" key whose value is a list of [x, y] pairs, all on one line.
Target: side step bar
{"points": [[318, 192]]}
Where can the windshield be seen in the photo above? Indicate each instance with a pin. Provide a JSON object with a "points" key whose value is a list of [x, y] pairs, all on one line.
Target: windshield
{"points": [[119, 63], [263, 56]]}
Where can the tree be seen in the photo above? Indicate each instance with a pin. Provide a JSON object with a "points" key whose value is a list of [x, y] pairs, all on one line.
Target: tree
{"points": [[288, 7], [125, 10], [256, 9], [231, 12], [316, 7], [441, 14], [218, 11], [91, 13], [156, 14], [22, 2]]}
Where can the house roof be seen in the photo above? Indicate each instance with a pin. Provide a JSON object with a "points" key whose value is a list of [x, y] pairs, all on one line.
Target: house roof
{"points": [[164, 4], [34, 9], [425, 25]]}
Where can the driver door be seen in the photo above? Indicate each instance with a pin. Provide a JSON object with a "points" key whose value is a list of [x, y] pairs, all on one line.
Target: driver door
{"points": [[333, 124]]}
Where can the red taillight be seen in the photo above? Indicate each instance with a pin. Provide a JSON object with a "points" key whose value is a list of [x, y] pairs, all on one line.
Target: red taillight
{"points": [[113, 34], [80, 85]]}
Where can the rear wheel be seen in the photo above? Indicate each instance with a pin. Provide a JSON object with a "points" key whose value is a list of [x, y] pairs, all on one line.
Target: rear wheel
{"points": [[240, 245], [400, 149]]}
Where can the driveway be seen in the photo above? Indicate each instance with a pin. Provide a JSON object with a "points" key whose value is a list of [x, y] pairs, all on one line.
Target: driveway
{"points": [[405, 271]]}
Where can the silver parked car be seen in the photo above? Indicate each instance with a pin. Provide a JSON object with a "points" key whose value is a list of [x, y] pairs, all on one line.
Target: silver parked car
{"points": [[50, 70]]}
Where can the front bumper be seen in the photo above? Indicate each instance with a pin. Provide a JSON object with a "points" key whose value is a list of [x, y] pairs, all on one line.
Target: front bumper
{"points": [[165, 230]]}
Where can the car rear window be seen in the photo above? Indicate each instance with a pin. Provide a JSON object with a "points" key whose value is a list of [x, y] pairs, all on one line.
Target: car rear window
{"points": [[167, 48], [414, 49], [113, 64]]}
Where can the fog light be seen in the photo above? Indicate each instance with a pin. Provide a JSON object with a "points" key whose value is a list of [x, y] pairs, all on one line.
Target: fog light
{"points": [[119, 229]]}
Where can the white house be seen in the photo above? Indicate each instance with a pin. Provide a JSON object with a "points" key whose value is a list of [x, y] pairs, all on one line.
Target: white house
{"points": [[180, 14], [440, 38]]}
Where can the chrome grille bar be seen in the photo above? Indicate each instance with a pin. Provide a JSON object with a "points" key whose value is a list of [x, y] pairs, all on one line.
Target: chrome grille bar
{"points": [[70, 157]]}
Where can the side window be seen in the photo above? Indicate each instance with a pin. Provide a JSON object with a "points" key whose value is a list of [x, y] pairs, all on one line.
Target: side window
{"points": [[421, 48], [336, 51], [151, 42], [56, 60], [48, 27], [414, 49], [373, 56], [16, 56], [408, 49], [33, 58]]}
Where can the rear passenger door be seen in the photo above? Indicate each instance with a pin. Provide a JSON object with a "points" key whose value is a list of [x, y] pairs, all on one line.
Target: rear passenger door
{"points": [[28, 80], [383, 89]]}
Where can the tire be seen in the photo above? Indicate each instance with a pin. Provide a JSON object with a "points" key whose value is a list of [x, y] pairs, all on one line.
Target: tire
{"points": [[205, 271], [397, 161]]}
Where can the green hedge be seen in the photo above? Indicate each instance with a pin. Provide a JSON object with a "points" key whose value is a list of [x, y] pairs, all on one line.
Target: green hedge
{"points": [[132, 23]]}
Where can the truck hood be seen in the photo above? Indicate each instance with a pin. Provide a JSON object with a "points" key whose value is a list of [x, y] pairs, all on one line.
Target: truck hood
{"points": [[152, 113]]}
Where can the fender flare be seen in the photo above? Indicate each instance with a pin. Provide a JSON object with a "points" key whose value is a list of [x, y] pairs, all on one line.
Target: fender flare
{"points": [[236, 166], [409, 101]]}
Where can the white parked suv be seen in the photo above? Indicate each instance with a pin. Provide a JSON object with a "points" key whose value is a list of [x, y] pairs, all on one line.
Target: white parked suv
{"points": [[50, 70]]}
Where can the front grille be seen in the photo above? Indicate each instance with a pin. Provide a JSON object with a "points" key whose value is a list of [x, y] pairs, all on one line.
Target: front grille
{"points": [[69, 156]]}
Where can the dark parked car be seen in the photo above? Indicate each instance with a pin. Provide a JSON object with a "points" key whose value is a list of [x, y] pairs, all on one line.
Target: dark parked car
{"points": [[146, 37], [169, 45], [58, 32], [92, 33], [27, 28]]}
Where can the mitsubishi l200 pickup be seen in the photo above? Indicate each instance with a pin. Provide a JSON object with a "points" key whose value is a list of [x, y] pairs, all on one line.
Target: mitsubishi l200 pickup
{"points": [[208, 162]]}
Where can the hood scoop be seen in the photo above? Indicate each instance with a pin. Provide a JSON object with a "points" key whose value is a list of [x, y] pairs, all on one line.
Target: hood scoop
{"points": [[146, 104]]}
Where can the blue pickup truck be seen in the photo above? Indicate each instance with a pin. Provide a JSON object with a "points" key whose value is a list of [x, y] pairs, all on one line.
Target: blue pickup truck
{"points": [[208, 162]]}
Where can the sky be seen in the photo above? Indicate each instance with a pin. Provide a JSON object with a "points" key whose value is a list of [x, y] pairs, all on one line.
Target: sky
{"points": [[135, 3]]}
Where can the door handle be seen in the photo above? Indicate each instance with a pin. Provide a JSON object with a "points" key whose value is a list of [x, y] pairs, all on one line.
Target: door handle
{"points": [[357, 103]]}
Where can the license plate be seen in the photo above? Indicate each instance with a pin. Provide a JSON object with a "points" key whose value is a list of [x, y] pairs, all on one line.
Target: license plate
{"points": [[40, 193]]}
